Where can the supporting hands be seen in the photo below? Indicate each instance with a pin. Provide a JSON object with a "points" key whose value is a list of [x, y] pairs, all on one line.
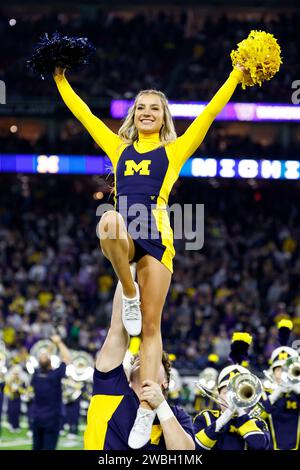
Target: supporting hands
{"points": [[152, 393]]}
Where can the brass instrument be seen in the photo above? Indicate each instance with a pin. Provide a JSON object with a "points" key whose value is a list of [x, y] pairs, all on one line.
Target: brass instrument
{"points": [[175, 383], [81, 367], [16, 380], [243, 391], [208, 378], [41, 347], [291, 371], [72, 389]]}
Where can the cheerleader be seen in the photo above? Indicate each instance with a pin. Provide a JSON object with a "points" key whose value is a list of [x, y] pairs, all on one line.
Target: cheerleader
{"points": [[231, 428], [147, 157]]}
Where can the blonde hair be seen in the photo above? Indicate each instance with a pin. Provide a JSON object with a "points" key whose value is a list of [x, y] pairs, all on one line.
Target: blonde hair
{"points": [[128, 131]]}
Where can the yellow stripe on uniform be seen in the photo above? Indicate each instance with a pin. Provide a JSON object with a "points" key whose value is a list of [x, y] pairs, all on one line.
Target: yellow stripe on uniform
{"points": [[204, 440], [156, 433], [248, 427], [101, 409], [161, 215]]}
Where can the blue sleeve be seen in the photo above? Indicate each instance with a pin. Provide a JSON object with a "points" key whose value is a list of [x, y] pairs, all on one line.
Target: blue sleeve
{"points": [[254, 431], [267, 405], [113, 382], [61, 370], [205, 436]]}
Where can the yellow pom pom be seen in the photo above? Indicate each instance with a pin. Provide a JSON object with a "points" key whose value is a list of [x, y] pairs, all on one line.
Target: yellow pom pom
{"points": [[259, 54], [242, 337], [285, 323]]}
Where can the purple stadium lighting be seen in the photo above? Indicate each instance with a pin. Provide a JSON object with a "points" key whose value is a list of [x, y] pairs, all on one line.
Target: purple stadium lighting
{"points": [[231, 112]]}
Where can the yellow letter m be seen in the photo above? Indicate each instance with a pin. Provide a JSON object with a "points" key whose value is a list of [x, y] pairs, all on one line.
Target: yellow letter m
{"points": [[142, 168]]}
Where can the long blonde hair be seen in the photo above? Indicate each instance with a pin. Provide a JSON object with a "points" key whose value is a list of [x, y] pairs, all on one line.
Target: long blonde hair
{"points": [[128, 131]]}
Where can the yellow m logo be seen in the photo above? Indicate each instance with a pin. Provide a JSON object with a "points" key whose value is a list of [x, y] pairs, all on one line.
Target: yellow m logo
{"points": [[283, 355], [142, 168], [291, 405]]}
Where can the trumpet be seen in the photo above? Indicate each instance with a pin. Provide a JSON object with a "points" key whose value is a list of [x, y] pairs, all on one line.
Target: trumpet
{"points": [[291, 371], [243, 391]]}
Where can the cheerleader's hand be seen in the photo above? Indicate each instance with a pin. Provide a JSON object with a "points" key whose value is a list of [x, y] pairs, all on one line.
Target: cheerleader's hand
{"points": [[246, 74], [59, 72]]}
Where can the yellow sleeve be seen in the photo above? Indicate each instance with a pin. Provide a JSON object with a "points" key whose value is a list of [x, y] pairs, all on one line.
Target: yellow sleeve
{"points": [[103, 136], [185, 145]]}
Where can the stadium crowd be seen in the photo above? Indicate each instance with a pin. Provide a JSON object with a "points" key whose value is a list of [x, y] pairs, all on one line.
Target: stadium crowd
{"points": [[71, 138], [185, 53]]}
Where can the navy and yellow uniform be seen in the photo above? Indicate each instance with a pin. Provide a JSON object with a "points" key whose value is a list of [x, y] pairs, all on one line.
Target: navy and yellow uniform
{"points": [[112, 412], [46, 408], [283, 419], [241, 433], [146, 171], [13, 390]]}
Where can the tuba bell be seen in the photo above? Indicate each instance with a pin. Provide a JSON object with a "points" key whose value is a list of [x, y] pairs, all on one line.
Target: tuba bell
{"points": [[208, 378], [81, 368], [40, 347]]}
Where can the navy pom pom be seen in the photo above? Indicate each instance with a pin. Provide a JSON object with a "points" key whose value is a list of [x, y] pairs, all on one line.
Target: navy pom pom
{"points": [[59, 51]]}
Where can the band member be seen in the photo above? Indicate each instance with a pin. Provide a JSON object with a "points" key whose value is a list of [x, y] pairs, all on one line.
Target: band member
{"points": [[47, 402], [115, 401], [14, 386], [231, 427], [72, 395], [282, 404], [207, 377]]}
